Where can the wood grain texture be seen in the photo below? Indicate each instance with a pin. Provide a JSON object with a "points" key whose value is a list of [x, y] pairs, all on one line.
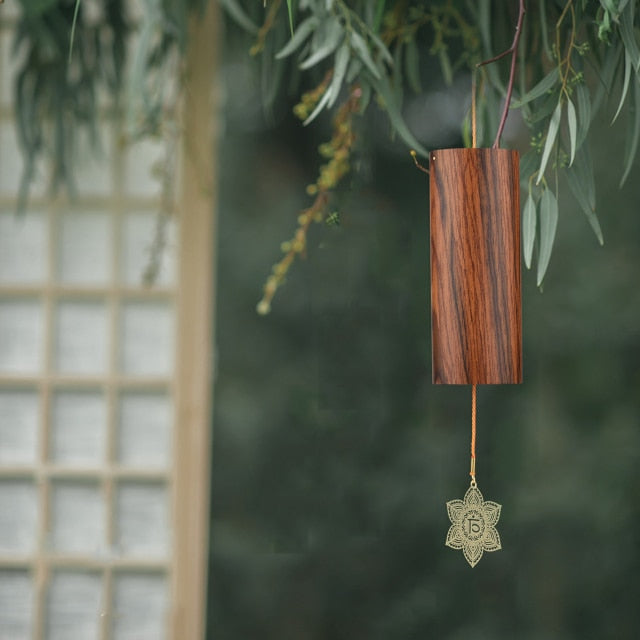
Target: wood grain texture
{"points": [[476, 308]]}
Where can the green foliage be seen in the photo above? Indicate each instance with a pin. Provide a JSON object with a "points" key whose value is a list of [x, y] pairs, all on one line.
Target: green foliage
{"points": [[571, 57], [56, 87], [70, 52]]}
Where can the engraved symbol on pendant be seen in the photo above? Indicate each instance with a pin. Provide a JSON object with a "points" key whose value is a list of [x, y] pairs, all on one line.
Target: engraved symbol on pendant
{"points": [[473, 525]]}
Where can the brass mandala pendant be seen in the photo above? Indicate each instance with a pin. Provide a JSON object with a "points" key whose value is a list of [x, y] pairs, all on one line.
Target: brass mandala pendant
{"points": [[473, 525]]}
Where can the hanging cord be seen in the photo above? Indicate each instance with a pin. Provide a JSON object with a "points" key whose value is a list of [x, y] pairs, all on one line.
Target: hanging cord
{"points": [[474, 125], [472, 473]]}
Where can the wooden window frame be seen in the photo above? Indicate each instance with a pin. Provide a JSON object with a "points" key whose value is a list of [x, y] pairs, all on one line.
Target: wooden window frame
{"points": [[188, 477]]}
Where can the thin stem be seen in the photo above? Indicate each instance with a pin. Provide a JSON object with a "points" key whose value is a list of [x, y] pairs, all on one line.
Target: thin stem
{"points": [[513, 50], [474, 120]]}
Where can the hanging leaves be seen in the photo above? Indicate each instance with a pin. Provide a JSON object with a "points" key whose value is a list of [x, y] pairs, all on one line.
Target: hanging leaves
{"points": [[633, 135], [528, 230], [574, 59], [573, 130], [237, 12], [581, 183], [584, 109], [552, 134], [544, 86], [548, 225], [299, 37], [57, 82], [390, 105], [334, 34]]}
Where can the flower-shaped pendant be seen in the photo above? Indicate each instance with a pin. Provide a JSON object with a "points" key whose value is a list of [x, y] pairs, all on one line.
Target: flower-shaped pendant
{"points": [[473, 525]]}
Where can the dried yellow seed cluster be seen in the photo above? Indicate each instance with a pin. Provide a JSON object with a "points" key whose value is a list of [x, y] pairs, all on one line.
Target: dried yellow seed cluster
{"points": [[337, 151]]}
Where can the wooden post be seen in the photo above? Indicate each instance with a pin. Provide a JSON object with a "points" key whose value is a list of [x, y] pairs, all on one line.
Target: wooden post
{"points": [[476, 309], [196, 297]]}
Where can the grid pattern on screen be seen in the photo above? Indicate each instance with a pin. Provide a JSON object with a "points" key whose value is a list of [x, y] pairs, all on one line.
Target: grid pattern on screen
{"points": [[86, 398]]}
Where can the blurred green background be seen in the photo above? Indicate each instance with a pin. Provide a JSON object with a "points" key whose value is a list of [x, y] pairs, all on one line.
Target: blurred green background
{"points": [[334, 455]]}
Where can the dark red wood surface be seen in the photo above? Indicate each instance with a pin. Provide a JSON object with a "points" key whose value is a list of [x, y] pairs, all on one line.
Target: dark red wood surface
{"points": [[476, 309]]}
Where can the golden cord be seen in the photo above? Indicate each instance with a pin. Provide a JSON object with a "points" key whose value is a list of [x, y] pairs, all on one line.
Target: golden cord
{"points": [[472, 473]]}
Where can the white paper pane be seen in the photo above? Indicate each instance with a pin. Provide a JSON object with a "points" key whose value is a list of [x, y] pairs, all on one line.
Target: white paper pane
{"points": [[84, 251], [21, 336], [12, 12], [144, 429], [82, 337], [140, 605], [18, 516], [93, 174], [147, 339], [139, 178], [78, 428], [18, 426], [16, 604], [74, 606], [142, 521], [23, 248], [13, 161], [77, 517], [138, 233]]}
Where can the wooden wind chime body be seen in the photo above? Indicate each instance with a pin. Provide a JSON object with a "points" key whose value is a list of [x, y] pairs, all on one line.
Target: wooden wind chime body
{"points": [[475, 301]]}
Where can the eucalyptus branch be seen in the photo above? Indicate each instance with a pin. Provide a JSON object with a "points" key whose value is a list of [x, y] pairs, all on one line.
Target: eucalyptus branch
{"points": [[265, 28], [338, 152], [513, 50]]}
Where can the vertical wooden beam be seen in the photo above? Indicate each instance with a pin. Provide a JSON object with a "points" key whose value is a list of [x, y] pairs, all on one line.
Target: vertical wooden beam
{"points": [[475, 266], [194, 363]]}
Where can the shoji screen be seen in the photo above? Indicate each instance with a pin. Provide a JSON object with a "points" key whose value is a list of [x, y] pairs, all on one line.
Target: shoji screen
{"points": [[95, 424]]}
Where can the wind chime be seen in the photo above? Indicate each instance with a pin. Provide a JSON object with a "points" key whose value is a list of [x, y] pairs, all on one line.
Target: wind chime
{"points": [[476, 309]]}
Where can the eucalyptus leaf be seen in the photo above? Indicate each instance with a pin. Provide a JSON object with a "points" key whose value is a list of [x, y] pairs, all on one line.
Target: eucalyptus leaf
{"points": [[631, 146], [573, 133], [552, 134], [385, 92], [334, 36], [326, 96], [628, 35], [354, 69], [304, 30], [235, 10], [445, 66], [606, 74], [545, 109], [625, 83], [362, 50], [580, 181], [484, 24], [72, 36], [548, 226], [339, 71], [412, 66], [528, 229], [545, 36], [290, 12], [382, 47], [397, 80], [621, 5], [380, 4], [610, 6], [540, 89], [584, 109]]}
